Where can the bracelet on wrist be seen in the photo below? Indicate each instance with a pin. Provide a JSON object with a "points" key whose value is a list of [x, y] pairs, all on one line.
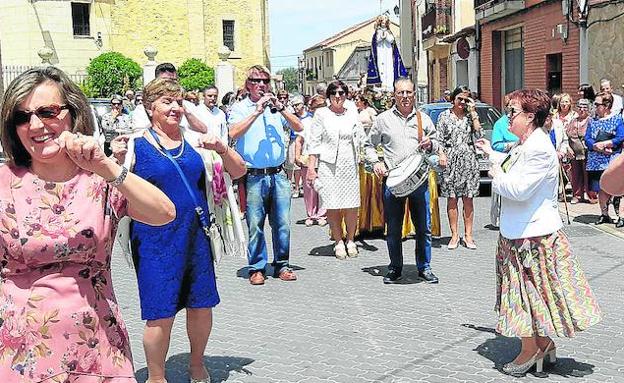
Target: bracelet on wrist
{"points": [[120, 178]]}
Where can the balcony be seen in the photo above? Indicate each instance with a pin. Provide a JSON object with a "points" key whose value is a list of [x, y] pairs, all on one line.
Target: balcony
{"points": [[489, 10], [436, 23]]}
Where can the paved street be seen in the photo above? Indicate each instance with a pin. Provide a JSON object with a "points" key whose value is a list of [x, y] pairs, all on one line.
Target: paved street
{"points": [[339, 323]]}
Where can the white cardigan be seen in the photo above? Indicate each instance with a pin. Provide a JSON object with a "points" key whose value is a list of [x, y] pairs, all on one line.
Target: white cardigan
{"points": [[529, 189], [324, 139]]}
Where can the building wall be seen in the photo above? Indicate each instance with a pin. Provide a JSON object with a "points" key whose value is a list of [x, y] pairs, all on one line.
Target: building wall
{"points": [[410, 26], [27, 26], [473, 65], [194, 31], [606, 44], [538, 24], [463, 14], [128, 26]]}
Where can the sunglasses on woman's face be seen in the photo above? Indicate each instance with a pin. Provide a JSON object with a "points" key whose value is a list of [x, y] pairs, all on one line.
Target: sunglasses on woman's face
{"points": [[44, 113], [339, 93], [512, 112]]}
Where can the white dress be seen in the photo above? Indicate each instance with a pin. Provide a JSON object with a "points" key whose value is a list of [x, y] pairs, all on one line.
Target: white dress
{"points": [[385, 58], [338, 184]]}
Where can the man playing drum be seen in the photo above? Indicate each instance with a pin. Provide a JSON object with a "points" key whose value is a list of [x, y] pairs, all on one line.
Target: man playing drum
{"points": [[406, 136]]}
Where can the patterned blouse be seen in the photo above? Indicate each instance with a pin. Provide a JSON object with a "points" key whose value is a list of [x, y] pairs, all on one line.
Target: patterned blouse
{"points": [[59, 318]]}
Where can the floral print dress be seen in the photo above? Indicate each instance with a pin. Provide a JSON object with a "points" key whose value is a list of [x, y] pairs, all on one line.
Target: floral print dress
{"points": [[460, 177], [59, 319]]}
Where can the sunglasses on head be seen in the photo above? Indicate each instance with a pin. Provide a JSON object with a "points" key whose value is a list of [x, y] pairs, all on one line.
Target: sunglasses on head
{"points": [[46, 112], [338, 93], [260, 80]]}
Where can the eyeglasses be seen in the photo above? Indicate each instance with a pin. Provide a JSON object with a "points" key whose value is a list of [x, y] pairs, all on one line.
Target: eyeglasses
{"points": [[284, 97], [116, 103], [265, 81], [338, 93], [512, 112], [463, 100], [44, 113], [597, 104], [582, 107]]}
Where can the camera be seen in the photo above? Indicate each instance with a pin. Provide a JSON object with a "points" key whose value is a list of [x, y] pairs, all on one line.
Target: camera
{"points": [[272, 107], [270, 104]]}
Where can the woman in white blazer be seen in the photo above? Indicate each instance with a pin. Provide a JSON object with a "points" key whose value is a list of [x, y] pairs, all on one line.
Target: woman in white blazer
{"points": [[541, 289], [335, 139]]}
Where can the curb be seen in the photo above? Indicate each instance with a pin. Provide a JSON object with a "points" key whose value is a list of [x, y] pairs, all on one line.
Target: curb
{"points": [[574, 213]]}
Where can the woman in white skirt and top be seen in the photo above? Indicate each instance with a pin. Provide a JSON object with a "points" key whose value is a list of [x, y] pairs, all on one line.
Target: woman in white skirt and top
{"points": [[541, 290], [335, 139]]}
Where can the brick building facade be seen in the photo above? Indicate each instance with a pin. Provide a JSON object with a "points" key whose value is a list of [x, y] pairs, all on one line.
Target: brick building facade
{"points": [[531, 47]]}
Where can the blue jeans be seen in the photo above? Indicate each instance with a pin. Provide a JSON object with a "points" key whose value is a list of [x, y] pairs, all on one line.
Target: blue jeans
{"points": [[268, 195], [394, 211]]}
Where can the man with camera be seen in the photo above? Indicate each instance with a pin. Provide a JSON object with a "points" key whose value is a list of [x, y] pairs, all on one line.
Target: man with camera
{"points": [[257, 124]]}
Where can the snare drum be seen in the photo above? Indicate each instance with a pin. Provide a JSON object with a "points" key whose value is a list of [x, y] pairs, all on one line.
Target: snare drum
{"points": [[408, 176]]}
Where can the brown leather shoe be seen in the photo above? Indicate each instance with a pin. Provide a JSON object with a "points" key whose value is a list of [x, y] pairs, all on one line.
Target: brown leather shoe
{"points": [[256, 278], [287, 275]]}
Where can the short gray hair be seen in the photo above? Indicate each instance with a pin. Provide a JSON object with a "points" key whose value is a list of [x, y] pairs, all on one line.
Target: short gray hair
{"points": [[404, 80], [321, 88]]}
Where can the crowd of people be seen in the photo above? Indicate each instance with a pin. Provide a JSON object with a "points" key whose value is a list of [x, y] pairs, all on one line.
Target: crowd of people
{"points": [[173, 165]]}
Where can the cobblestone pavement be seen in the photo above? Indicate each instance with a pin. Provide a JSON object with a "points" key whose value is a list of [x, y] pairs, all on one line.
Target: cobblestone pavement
{"points": [[339, 323]]}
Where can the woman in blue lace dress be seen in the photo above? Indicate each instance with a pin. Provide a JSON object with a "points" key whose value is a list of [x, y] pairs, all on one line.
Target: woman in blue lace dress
{"points": [[603, 137], [173, 262]]}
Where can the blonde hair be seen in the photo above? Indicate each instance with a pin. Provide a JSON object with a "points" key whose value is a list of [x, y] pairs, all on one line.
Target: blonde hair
{"points": [[258, 68], [159, 87], [16, 93]]}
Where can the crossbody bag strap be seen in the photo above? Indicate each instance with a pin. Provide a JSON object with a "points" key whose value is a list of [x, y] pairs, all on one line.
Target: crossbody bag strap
{"points": [[201, 214], [420, 128]]}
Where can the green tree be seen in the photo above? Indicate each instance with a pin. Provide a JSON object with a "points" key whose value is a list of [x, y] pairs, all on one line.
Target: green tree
{"points": [[290, 77], [194, 74], [112, 73]]}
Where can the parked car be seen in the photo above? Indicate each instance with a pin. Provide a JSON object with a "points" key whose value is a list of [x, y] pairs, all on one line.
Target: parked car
{"points": [[100, 106], [488, 115]]}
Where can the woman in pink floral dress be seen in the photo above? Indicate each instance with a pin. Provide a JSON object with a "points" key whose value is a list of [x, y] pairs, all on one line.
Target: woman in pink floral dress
{"points": [[60, 201]]}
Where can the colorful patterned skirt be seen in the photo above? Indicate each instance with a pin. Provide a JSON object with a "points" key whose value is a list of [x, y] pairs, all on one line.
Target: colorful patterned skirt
{"points": [[541, 289]]}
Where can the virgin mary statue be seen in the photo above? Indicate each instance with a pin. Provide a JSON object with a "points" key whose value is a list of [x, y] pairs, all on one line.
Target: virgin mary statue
{"points": [[384, 64]]}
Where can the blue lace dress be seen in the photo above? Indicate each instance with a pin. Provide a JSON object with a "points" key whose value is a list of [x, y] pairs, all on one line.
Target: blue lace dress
{"points": [[173, 262]]}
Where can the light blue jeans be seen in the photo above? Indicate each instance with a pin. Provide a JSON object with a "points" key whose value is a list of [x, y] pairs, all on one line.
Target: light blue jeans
{"points": [[268, 195]]}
